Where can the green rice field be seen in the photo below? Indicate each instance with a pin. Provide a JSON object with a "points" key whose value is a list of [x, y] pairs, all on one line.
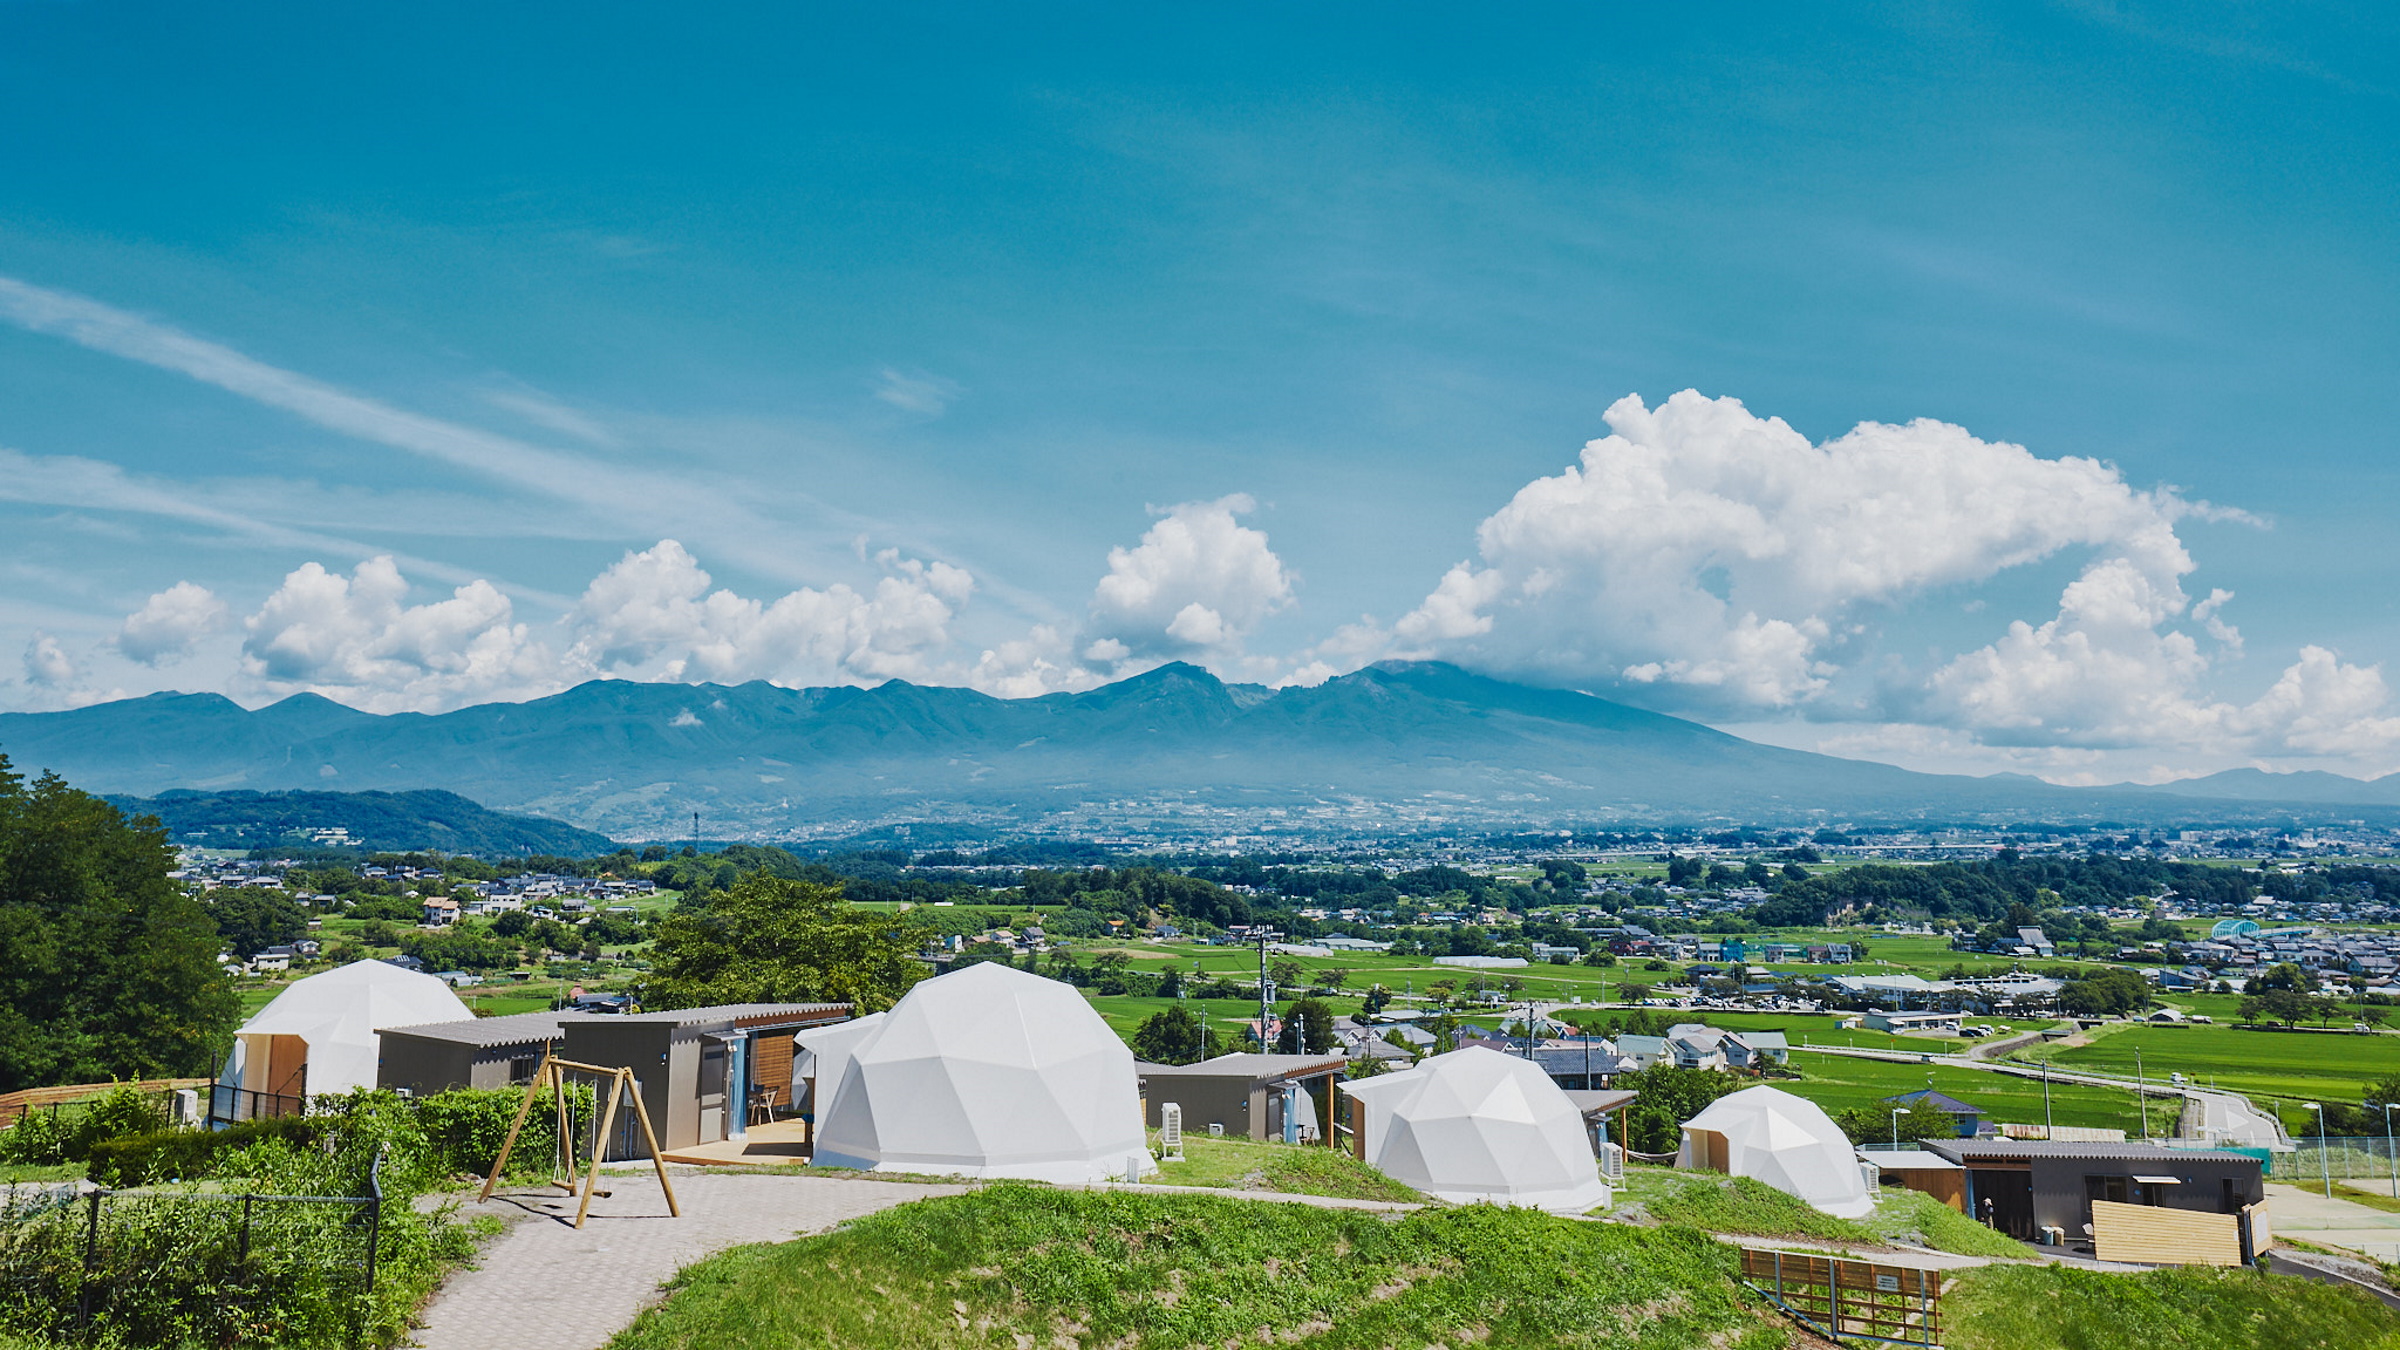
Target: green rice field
{"points": [[2277, 1068]]}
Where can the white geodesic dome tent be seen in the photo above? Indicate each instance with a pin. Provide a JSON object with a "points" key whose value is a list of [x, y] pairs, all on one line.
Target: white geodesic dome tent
{"points": [[320, 1034], [985, 1072], [1785, 1141], [1476, 1124]]}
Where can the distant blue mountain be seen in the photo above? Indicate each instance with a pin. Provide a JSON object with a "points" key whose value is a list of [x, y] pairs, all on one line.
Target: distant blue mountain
{"points": [[2309, 787], [1385, 749]]}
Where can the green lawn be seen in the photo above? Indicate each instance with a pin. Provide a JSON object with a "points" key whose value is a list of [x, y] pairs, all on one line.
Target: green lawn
{"points": [[1033, 1266], [2275, 1068], [1291, 1169], [2018, 1307], [1838, 1082], [1721, 1204]]}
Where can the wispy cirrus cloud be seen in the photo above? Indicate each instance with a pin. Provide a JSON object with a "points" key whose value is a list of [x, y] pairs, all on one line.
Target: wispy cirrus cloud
{"points": [[636, 498]]}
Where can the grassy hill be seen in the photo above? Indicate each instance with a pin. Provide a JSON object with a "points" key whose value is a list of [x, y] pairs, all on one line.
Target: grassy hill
{"points": [[395, 822], [1023, 1265]]}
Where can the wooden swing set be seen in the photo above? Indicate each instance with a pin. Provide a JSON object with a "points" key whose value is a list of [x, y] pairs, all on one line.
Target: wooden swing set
{"points": [[552, 1075]]}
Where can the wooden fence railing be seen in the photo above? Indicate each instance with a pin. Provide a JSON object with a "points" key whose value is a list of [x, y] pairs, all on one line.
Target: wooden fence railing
{"points": [[1850, 1300]]}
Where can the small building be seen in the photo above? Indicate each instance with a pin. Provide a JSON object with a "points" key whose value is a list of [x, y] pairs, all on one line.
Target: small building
{"points": [[440, 911], [1246, 1094], [1903, 1022], [699, 1068], [1968, 1120], [1757, 1049], [2024, 1187], [483, 1052], [1920, 1170]]}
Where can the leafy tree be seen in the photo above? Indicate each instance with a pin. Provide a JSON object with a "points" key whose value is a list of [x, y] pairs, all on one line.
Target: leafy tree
{"points": [[464, 947], [1874, 1124], [1378, 999], [770, 939], [1333, 977], [1308, 1028], [252, 918], [1287, 974], [107, 968], [1173, 1036]]}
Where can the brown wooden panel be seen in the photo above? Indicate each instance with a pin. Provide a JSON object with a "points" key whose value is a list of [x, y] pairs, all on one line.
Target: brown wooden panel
{"points": [[2152, 1236]]}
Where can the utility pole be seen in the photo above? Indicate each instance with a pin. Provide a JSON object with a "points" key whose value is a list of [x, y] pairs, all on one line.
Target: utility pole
{"points": [[1263, 936], [2141, 1089]]}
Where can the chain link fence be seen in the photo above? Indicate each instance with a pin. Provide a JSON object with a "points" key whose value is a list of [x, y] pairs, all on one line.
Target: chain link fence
{"points": [[2358, 1159]]}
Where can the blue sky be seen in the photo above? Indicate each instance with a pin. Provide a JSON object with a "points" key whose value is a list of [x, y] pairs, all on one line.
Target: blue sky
{"points": [[1027, 348]]}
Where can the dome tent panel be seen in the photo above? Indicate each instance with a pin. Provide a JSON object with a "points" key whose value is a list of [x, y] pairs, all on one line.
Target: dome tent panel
{"points": [[1784, 1141], [329, 1024], [1477, 1125], [987, 1071]]}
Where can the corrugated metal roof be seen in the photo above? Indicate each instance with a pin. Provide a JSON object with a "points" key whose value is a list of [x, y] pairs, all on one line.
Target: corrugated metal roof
{"points": [[489, 1032], [2017, 1150], [735, 1012]]}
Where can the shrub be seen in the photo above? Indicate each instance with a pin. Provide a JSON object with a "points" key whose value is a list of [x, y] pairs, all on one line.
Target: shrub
{"points": [[181, 1155], [69, 1134]]}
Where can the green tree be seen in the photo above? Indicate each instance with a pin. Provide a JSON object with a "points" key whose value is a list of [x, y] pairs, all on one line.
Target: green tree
{"points": [[1378, 998], [107, 969], [252, 918], [1308, 1028], [1875, 1124], [771, 939], [1173, 1036]]}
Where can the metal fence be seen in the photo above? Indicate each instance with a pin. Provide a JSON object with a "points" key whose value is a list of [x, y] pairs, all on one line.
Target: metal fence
{"points": [[171, 1267], [229, 1105], [2361, 1160]]}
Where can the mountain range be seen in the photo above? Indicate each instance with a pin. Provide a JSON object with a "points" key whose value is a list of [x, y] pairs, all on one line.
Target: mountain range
{"points": [[1389, 749]]}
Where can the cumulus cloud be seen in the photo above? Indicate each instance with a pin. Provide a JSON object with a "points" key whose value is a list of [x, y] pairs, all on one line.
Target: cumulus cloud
{"points": [[1727, 565], [654, 616], [47, 664], [1702, 546], [169, 623], [1195, 587], [357, 638], [56, 678]]}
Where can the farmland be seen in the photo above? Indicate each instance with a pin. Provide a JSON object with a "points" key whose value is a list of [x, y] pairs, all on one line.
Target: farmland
{"points": [[2278, 1068]]}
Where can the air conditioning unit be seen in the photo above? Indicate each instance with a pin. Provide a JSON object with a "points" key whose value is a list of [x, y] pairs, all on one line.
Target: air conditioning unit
{"points": [[1170, 1132], [1612, 1163]]}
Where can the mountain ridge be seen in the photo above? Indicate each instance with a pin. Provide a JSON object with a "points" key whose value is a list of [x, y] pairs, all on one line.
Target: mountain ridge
{"points": [[1391, 748]]}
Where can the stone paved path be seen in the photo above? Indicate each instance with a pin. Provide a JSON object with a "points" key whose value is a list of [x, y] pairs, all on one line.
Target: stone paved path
{"points": [[545, 1285]]}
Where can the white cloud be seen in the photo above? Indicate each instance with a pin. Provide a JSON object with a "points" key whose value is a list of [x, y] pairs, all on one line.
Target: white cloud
{"points": [[1703, 547], [57, 679], [916, 391], [653, 616], [625, 494], [357, 639], [1196, 586], [48, 665], [169, 623]]}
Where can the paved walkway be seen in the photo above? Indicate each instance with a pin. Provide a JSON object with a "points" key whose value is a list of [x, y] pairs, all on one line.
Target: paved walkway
{"points": [[2299, 1212], [545, 1285]]}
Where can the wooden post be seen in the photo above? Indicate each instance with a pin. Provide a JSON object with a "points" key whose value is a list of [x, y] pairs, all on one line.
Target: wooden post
{"points": [[524, 1109], [608, 1122], [650, 1137]]}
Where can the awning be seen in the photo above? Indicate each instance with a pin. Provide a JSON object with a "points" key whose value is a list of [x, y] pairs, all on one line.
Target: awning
{"points": [[2160, 1181]]}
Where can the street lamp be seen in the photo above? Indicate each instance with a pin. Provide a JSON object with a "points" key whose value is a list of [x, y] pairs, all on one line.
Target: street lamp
{"points": [[1897, 1111], [2324, 1158], [2045, 1099]]}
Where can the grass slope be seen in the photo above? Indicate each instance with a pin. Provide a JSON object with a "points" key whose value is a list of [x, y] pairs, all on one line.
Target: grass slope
{"points": [[2053, 1308], [1244, 1165], [1029, 1265], [1742, 1206]]}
